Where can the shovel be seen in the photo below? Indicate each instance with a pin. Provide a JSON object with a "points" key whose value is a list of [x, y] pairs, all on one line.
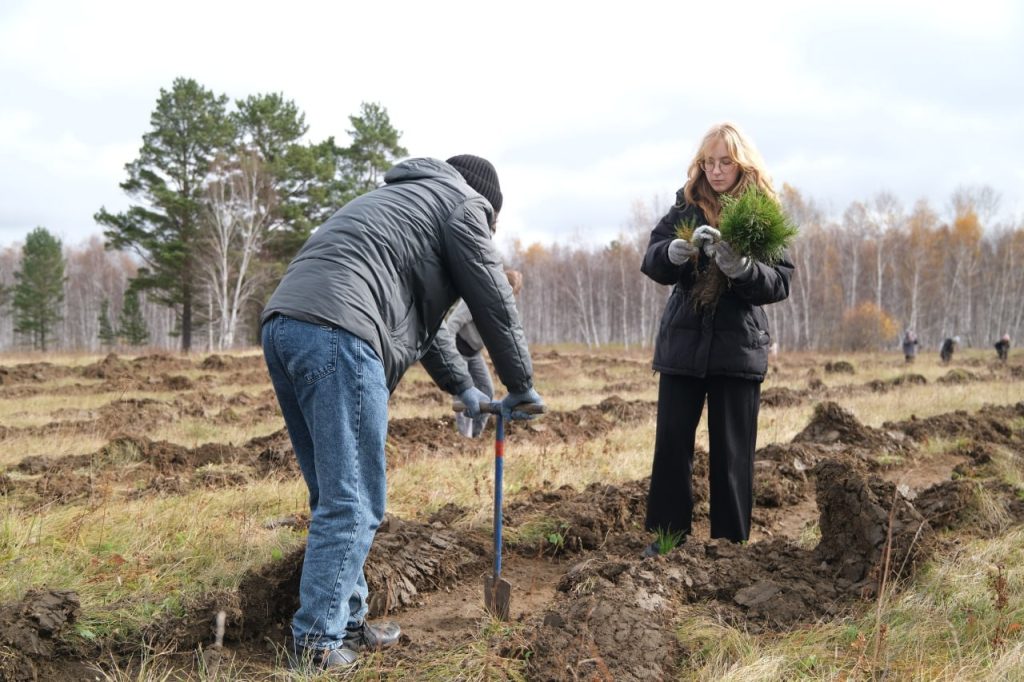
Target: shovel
{"points": [[497, 590]]}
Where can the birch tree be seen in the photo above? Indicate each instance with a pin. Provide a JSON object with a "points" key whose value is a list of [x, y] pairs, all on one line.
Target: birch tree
{"points": [[238, 214]]}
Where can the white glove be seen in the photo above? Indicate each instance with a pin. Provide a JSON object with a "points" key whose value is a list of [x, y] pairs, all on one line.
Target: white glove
{"points": [[705, 236], [680, 250], [729, 262]]}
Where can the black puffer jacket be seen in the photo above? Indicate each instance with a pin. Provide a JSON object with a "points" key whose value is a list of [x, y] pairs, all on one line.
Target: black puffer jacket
{"points": [[729, 339], [389, 265]]}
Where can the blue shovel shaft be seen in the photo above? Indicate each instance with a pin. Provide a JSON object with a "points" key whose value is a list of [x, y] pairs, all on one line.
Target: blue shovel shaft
{"points": [[499, 461]]}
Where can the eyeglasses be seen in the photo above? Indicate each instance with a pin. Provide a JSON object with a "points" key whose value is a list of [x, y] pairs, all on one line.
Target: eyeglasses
{"points": [[725, 165]]}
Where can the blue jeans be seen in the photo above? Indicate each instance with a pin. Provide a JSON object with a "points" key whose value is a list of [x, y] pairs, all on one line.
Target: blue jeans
{"points": [[334, 398]]}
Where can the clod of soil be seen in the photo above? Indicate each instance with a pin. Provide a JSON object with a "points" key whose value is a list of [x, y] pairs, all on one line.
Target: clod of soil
{"points": [[865, 523], [30, 630]]}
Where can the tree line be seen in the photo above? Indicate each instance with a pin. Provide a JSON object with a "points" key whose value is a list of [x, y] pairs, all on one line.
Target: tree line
{"points": [[861, 279], [224, 193]]}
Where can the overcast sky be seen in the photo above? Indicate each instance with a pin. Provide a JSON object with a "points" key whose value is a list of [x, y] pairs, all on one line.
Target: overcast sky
{"points": [[582, 111]]}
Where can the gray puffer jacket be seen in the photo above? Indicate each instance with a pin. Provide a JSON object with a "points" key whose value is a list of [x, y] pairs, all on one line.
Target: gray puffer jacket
{"points": [[387, 267]]}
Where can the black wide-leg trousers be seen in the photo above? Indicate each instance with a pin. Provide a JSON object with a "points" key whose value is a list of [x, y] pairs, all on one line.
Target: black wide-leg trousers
{"points": [[732, 433]]}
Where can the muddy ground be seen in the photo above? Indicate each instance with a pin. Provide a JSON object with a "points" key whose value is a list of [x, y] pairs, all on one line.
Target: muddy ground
{"points": [[589, 606]]}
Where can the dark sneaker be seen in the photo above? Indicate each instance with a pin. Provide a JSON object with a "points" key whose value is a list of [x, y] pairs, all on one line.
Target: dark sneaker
{"points": [[323, 659], [365, 636], [650, 550]]}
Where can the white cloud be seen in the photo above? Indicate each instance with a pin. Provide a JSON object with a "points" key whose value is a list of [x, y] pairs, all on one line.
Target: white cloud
{"points": [[583, 110]]}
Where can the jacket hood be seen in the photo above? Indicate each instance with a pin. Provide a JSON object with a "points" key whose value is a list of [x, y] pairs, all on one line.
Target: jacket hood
{"points": [[417, 169]]}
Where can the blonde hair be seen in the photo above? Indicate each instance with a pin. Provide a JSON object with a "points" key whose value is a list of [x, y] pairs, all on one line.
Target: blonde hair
{"points": [[515, 280], [743, 152]]}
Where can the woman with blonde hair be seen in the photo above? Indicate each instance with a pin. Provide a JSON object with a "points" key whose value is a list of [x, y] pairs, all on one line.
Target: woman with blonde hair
{"points": [[713, 349]]}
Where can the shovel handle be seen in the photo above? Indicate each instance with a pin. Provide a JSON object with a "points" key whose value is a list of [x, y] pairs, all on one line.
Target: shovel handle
{"points": [[495, 407]]}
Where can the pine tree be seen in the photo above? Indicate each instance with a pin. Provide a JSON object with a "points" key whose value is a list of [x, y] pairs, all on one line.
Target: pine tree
{"points": [[131, 325], [107, 335], [190, 128], [374, 147], [39, 291]]}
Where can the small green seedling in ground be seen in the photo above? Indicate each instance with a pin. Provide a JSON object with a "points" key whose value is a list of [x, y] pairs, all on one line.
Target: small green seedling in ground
{"points": [[556, 540], [667, 541]]}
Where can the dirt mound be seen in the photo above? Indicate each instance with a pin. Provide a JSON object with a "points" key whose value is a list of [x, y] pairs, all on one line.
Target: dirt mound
{"points": [[422, 393], [627, 387], [415, 437], [985, 426], [32, 372], [948, 504], [614, 617], [138, 466], [406, 559], [886, 385], [409, 557], [831, 423], [570, 522], [30, 631], [61, 486], [114, 368], [585, 422], [611, 621], [232, 363], [273, 454], [781, 483], [958, 376], [986, 505], [839, 367], [780, 396], [110, 367]]}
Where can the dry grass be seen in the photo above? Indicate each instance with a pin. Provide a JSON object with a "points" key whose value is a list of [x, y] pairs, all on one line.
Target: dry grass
{"points": [[428, 484], [131, 560], [949, 625]]}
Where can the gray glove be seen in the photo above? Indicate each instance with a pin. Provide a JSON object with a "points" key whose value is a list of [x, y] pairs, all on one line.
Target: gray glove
{"points": [[680, 250], [729, 262], [513, 400], [471, 400], [705, 236]]}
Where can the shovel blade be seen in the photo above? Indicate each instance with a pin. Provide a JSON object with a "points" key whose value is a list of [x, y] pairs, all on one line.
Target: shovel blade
{"points": [[497, 596]]}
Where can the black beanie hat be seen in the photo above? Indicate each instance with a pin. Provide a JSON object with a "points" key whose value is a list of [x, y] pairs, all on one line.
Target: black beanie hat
{"points": [[480, 175]]}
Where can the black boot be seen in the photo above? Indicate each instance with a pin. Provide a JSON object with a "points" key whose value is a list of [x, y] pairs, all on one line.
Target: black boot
{"points": [[365, 636]]}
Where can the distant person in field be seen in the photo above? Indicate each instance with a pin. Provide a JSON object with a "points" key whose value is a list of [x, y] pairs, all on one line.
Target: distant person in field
{"points": [[948, 346], [909, 346], [1003, 347], [717, 352], [365, 298], [471, 346]]}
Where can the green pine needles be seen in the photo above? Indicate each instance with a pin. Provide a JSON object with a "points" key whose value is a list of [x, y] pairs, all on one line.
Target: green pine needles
{"points": [[685, 228], [755, 225]]}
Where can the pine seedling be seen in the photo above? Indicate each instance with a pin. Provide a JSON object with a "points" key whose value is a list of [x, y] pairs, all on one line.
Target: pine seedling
{"points": [[755, 225], [685, 228], [669, 540]]}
